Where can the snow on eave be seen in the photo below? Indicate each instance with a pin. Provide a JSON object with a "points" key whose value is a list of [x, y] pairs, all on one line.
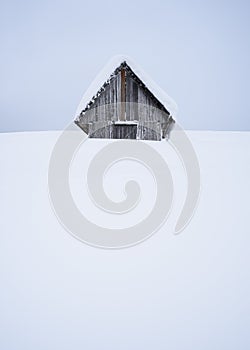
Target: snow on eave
{"points": [[105, 74]]}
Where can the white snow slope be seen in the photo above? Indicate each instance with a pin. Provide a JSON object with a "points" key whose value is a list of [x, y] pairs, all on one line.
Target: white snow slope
{"points": [[190, 291]]}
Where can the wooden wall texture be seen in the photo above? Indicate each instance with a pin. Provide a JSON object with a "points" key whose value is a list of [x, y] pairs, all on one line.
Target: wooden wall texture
{"points": [[125, 108]]}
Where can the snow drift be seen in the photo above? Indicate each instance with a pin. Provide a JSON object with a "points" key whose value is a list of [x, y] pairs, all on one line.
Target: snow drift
{"points": [[181, 292]]}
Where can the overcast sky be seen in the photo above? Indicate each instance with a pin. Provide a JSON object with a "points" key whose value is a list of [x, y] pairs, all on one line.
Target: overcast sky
{"points": [[197, 51]]}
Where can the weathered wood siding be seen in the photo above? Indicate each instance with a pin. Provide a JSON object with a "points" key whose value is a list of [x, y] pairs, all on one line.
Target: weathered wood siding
{"points": [[142, 105], [124, 98], [107, 104], [126, 131]]}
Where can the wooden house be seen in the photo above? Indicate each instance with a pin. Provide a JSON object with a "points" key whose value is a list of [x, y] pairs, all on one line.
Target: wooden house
{"points": [[125, 108]]}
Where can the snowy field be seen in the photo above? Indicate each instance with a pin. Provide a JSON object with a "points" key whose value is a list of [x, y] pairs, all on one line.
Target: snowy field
{"points": [[184, 292]]}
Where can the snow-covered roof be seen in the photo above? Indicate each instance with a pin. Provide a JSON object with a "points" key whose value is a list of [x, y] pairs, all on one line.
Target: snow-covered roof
{"points": [[105, 74]]}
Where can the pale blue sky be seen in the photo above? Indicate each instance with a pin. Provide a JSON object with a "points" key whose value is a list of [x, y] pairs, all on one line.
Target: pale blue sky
{"points": [[197, 51]]}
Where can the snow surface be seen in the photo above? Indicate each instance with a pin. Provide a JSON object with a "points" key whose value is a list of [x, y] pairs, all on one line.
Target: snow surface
{"points": [[190, 291]]}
